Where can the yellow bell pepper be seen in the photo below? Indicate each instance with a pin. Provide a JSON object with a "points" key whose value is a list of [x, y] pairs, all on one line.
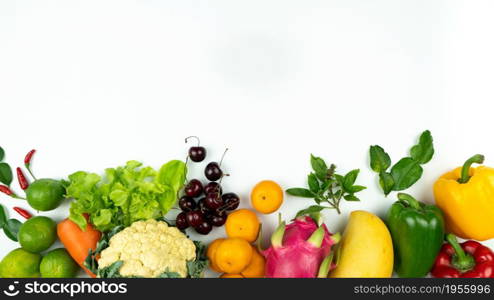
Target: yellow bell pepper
{"points": [[466, 196]]}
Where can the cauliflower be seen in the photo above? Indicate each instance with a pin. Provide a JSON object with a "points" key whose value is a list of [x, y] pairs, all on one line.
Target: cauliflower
{"points": [[149, 249]]}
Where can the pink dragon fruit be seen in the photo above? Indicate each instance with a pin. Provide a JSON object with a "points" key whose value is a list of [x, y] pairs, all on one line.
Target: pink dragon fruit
{"points": [[300, 250]]}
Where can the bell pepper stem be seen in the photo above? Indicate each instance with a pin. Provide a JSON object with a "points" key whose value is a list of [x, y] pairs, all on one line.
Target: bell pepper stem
{"points": [[461, 260], [409, 200], [465, 170]]}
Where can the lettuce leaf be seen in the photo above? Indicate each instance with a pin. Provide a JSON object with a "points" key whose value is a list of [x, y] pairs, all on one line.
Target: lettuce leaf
{"points": [[125, 194]]}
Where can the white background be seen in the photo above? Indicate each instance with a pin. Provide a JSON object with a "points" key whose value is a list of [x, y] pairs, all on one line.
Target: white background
{"points": [[92, 84]]}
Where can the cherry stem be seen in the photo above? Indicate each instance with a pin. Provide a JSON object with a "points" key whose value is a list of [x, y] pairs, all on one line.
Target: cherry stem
{"points": [[194, 137], [223, 156]]}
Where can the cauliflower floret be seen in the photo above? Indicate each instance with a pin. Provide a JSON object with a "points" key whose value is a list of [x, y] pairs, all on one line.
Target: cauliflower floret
{"points": [[149, 248]]}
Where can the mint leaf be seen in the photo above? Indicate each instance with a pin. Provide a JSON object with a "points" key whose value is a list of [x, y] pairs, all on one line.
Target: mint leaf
{"points": [[2, 154], [405, 173], [301, 192], [424, 150], [379, 159], [386, 182]]}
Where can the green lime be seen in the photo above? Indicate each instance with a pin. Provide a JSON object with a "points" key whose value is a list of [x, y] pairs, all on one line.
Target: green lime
{"points": [[20, 264], [58, 264], [38, 234], [45, 194]]}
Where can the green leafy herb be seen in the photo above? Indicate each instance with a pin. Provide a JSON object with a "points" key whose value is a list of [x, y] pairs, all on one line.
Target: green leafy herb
{"points": [[406, 171], [11, 229], [310, 210], [386, 182], [380, 160], [325, 186], [5, 174], [125, 194], [2, 153], [10, 226], [3, 217], [424, 150], [301, 192]]}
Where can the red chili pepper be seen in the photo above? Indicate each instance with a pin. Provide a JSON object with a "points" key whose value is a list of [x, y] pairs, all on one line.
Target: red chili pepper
{"points": [[27, 162], [466, 260], [29, 156], [5, 189], [22, 179], [24, 213]]}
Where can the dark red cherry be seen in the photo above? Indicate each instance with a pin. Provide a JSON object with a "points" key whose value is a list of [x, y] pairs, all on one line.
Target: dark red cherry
{"points": [[193, 188], [218, 221], [231, 201], [181, 221], [187, 203], [213, 201], [212, 187], [197, 154], [194, 218], [204, 228], [213, 171]]}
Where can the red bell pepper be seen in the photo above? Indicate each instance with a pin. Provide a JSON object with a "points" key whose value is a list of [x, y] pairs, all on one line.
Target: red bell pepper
{"points": [[466, 260]]}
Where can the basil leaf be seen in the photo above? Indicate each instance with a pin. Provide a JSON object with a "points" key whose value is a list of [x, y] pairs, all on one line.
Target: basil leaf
{"points": [[340, 179], [350, 179], [2, 154], [11, 229], [356, 189], [310, 210], [405, 173], [351, 198], [379, 159], [301, 192], [319, 167], [5, 174], [313, 183], [325, 185], [386, 182], [3, 217], [424, 150]]}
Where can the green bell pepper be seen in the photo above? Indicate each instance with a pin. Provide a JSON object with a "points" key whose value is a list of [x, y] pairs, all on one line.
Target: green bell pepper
{"points": [[417, 231]]}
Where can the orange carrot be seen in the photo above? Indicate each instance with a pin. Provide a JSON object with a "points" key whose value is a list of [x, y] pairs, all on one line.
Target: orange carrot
{"points": [[77, 241]]}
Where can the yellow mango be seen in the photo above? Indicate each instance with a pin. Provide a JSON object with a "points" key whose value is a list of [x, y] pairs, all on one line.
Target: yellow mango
{"points": [[366, 249]]}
